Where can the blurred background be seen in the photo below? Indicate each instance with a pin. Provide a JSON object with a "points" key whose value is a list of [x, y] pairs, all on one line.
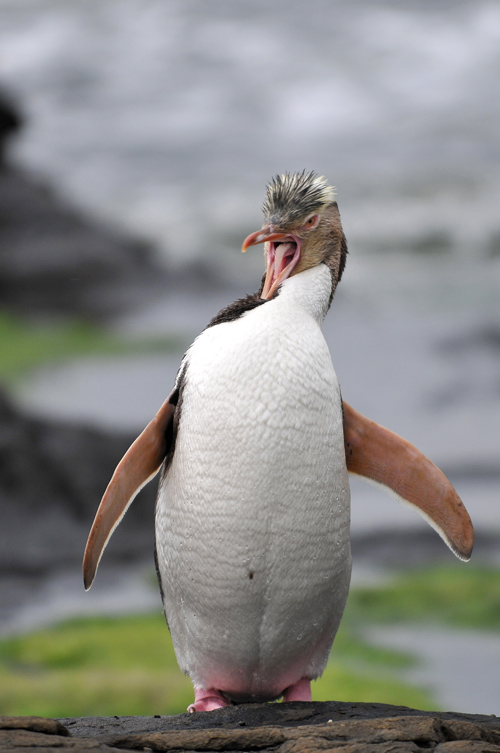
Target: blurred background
{"points": [[136, 140]]}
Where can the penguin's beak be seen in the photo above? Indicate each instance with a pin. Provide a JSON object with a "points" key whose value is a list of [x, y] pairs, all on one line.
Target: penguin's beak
{"points": [[282, 255]]}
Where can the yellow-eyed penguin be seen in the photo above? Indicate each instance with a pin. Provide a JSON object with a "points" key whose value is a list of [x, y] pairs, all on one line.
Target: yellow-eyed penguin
{"points": [[254, 445]]}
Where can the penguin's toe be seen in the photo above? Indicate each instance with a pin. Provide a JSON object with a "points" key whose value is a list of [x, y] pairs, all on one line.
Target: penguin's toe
{"points": [[208, 700], [301, 691]]}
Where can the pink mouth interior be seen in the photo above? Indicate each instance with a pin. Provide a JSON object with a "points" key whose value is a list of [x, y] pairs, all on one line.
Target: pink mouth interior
{"points": [[282, 257], [282, 254]]}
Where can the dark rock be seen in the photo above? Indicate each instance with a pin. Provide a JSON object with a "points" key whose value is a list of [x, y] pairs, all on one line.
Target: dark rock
{"points": [[281, 728], [53, 260], [52, 476], [262, 715], [10, 121]]}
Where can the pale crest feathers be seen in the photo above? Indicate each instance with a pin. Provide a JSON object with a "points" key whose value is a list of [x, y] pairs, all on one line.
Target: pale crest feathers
{"points": [[292, 195]]}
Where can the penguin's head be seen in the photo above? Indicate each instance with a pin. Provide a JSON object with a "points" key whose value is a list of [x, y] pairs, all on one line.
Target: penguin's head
{"points": [[301, 229]]}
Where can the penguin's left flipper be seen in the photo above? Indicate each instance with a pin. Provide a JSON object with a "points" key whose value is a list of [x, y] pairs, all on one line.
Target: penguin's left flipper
{"points": [[383, 457], [140, 464]]}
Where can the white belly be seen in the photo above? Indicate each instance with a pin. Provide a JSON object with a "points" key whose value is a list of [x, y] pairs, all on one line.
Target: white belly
{"points": [[253, 514]]}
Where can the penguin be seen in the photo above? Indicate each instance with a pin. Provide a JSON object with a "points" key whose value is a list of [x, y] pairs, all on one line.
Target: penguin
{"points": [[254, 445]]}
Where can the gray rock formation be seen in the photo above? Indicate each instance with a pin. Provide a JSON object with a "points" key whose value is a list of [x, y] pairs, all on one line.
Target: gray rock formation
{"points": [[280, 728], [10, 121], [55, 260], [52, 476]]}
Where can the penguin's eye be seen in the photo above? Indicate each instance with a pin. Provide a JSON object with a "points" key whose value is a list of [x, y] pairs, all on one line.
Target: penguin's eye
{"points": [[311, 222]]}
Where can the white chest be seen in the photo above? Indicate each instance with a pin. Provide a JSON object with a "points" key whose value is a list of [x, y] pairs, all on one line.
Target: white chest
{"points": [[253, 514]]}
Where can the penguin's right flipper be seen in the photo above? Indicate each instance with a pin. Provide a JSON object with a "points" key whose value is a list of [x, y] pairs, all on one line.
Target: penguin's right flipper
{"points": [[379, 455], [140, 464]]}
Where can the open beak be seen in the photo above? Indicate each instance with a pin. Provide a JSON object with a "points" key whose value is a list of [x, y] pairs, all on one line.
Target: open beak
{"points": [[282, 255]]}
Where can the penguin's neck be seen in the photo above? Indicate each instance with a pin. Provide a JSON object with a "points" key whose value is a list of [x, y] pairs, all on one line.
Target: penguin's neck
{"points": [[311, 290]]}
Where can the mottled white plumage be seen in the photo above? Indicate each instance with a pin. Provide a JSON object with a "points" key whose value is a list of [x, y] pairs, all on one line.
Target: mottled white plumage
{"points": [[252, 521]]}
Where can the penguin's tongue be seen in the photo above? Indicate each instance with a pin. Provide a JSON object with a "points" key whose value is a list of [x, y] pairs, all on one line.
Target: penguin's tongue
{"points": [[284, 249], [282, 257]]}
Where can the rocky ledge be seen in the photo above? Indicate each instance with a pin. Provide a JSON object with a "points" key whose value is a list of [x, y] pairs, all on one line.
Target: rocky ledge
{"points": [[281, 728]]}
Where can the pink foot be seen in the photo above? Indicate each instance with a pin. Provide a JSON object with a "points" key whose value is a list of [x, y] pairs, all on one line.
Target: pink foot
{"points": [[301, 691], [208, 700]]}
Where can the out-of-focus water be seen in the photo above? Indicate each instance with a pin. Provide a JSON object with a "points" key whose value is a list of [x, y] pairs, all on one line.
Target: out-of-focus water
{"points": [[460, 684], [169, 117]]}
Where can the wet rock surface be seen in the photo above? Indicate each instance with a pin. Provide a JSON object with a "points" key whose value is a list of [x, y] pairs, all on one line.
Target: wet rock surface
{"points": [[349, 727]]}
